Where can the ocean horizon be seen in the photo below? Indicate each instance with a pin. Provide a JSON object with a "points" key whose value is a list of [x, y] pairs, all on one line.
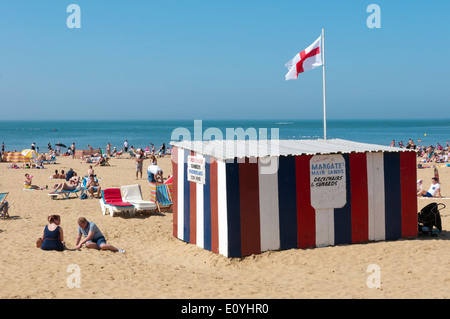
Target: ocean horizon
{"points": [[18, 134]]}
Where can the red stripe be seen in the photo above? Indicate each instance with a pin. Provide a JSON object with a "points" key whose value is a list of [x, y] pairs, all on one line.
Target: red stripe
{"points": [[359, 197], [175, 190], [214, 207], [304, 56], [249, 207], [192, 210], [306, 214], [408, 184]]}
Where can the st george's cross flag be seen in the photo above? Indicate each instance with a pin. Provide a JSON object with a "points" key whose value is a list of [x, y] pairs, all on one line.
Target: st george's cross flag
{"points": [[308, 59]]}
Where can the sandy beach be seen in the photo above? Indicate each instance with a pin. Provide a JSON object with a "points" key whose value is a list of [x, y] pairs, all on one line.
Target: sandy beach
{"points": [[157, 265]]}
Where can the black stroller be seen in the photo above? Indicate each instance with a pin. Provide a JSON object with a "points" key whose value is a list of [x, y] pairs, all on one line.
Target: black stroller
{"points": [[429, 217]]}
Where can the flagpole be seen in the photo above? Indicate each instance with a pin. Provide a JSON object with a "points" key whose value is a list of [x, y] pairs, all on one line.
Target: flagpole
{"points": [[324, 95]]}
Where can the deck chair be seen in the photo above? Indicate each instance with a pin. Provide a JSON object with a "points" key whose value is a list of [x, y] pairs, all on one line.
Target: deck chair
{"points": [[105, 162], [169, 183], [4, 205], [133, 195], [159, 193], [65, 194], [112, 202], [50, 161]]}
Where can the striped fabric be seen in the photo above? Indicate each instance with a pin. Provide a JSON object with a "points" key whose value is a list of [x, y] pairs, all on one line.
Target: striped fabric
{"points": [[3, 197], [15, 157], [239, 211], [160, 194]]}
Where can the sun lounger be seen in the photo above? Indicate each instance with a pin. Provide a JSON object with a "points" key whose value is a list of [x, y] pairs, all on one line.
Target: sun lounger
{"points": [[112, 202], [50, 161], [65, 194], [132, 194]]}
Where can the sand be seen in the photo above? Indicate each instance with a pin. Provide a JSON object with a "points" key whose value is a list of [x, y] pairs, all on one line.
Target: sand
{"points": [[157, 265]]}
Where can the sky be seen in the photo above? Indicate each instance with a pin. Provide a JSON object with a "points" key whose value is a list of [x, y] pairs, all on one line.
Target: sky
{"points": [[222, 59]]}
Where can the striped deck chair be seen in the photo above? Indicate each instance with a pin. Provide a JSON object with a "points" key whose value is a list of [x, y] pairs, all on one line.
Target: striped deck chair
{"points": [[160, 194], [169, 183], [4, 206]]}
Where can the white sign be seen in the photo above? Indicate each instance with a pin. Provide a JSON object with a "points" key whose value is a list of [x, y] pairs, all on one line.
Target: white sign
{"points": [[196, 169], [328, 182]]}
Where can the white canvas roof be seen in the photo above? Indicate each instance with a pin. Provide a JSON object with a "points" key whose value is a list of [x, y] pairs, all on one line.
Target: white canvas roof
{"points": [[230, 149]]}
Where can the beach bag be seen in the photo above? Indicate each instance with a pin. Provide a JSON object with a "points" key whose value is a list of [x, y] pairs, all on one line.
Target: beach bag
{"points": [[83, 196]]}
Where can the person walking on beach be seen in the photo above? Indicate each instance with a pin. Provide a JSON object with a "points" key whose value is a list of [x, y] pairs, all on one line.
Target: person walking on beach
{"points": [[72, 148], [93, 237], [125, 146], [139, 159]]}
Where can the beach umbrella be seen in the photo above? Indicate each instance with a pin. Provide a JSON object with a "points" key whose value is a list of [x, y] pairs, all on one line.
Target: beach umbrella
{"points": [[60, 144], [29, 153]]}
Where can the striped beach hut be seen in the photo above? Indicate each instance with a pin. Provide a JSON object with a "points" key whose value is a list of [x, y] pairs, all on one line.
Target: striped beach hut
{"points": [[241, 197]]}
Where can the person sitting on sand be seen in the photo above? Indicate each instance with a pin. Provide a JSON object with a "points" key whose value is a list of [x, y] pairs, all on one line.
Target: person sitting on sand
{"points": [[433, 191], [93, 186], [28, 183], [62, 175], [55, 176], [93, 237], [52, 235]]}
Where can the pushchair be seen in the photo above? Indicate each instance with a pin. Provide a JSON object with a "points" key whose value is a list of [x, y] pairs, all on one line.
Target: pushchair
{"points": [[430, 218]]}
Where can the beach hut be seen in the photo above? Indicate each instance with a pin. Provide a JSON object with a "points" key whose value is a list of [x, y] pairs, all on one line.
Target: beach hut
{"points": [[244, 197]]}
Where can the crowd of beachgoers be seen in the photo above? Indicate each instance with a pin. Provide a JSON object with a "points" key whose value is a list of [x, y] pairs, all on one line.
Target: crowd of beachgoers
{"points": [[428, 154], [109, 151]]}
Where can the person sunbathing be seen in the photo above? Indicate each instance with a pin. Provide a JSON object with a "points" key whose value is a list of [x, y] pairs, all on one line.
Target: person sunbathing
{"points": [[63, 187], [101, 160], [93, 186], [74, 182], [56, 175], [62, 175]]}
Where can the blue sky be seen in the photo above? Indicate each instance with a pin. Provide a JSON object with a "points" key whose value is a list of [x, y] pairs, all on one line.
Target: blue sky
{"points": [[211, 59]]}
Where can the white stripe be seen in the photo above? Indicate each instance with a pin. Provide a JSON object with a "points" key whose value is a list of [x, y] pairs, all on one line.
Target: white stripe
{"points": [[180, 195], [200, 215], [222, 207], [324, 227], [268, 207], [375, 187]]}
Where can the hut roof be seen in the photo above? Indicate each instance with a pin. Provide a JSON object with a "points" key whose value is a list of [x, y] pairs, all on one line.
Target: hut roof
{"points": [[230, 149]]}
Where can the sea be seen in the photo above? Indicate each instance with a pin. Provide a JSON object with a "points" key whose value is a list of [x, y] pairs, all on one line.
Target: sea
{"points": [[19, 135]]}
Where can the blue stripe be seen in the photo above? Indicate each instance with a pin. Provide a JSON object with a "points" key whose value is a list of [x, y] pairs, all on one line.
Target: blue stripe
{"points": [[343, 216], [233, 210], [287, 202], [187, 201], [207, 206], [392, 196]]}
